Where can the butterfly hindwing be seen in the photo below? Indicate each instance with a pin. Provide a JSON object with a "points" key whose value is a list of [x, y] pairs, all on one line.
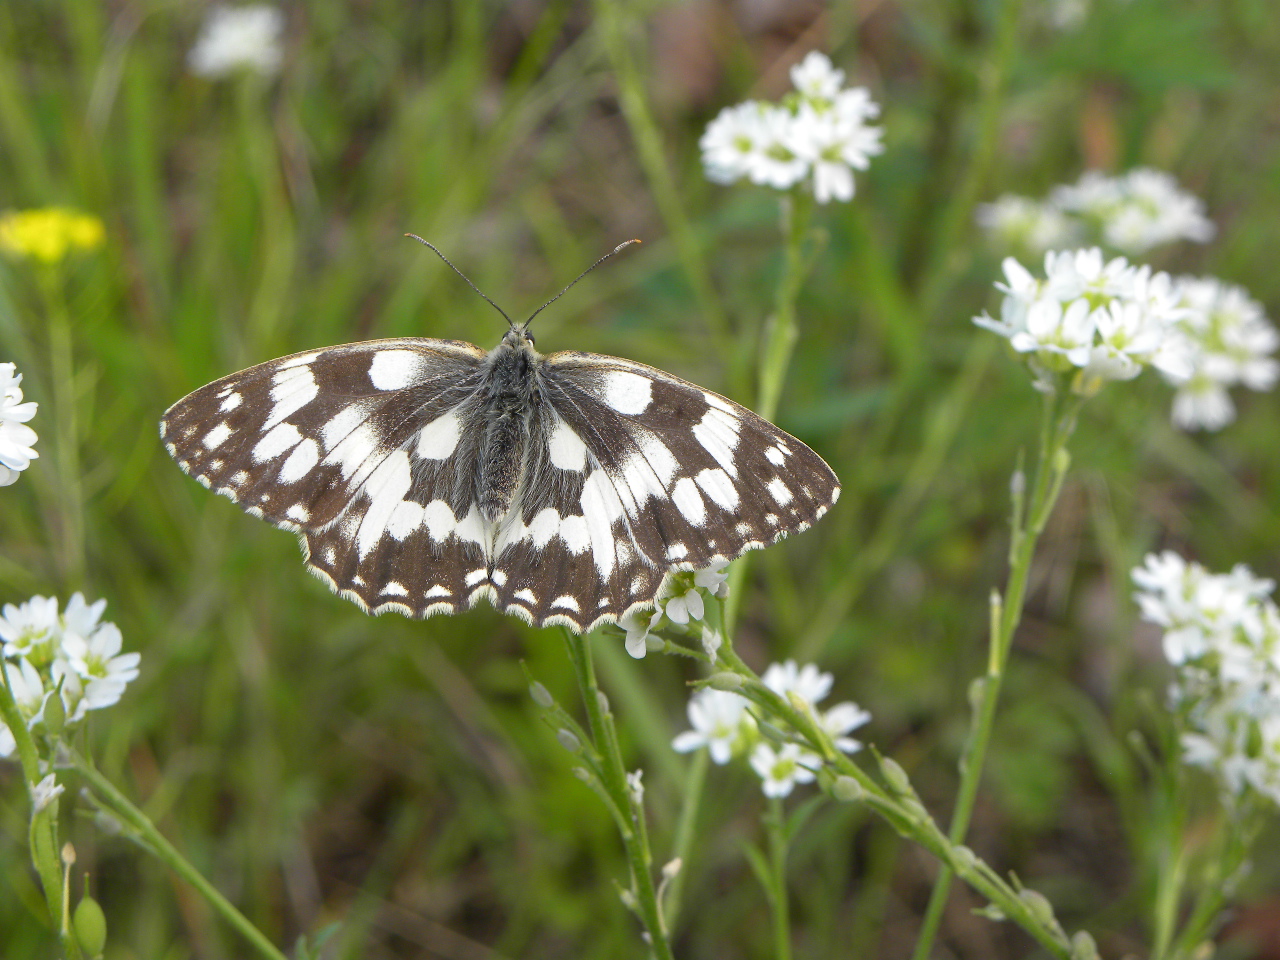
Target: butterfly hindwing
{"points": [[638, 472]]}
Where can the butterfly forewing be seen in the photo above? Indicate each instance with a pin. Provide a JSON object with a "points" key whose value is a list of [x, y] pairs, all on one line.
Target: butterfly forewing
{"points": [[375, 452]]}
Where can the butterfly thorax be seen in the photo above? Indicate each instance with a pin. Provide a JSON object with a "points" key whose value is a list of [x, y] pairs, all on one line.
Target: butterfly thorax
{"points": [[510, 398]]}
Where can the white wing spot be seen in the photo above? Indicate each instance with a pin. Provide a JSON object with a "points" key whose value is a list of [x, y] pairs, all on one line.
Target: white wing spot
{"points": [[385, 488], [779, 491], [690, 503], [566, 603], [305, 456], [775, 456], [525, 596], [299, 361], [354, 449], [395, 588], [479, 575], [660, 458], [299, 513], [627, 393], [231, 402], [439, 521], [676, 551], [291, 390], [439, 438], [405, 518], [216, 436], [545, 526], [438, 591], [340, 425], [717, 485], [216, 465], [394, 369], [499, 577], [330, 555], [277, 441], [717, 431], [566, 448], [239, 477]]}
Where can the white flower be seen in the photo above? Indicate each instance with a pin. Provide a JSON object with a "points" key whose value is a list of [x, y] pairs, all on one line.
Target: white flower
{"points": [[816, 78], [720, 722], [808, 682], [833, 146], [638, 623], [45, 792], [1229, 341], [235, 38], [29, 694], [782, 769], [841, 719], [98, 663], [1137, 211], [776, 163], [16, 438], [32, 630], [1021, 222], [679, 597], [732, 141], [635, 786]]}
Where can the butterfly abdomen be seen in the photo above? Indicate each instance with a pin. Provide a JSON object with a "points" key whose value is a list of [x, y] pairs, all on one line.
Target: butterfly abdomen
{"points": [[511, 401]]}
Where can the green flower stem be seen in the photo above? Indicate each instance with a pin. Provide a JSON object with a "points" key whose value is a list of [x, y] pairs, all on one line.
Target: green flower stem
{"points": [[777, 347], [1051, 467], [616, 28], [67, 442], [43, 832], [776, 825], [166, 852], [695, 780], [904, 812], [614, 781]]}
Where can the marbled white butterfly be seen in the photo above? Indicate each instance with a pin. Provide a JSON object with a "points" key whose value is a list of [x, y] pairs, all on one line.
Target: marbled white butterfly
{"points": [[423, 475]]}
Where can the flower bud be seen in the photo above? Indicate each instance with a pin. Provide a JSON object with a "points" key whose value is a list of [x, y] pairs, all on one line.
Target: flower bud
{"points": [[541, 695], [896, 777], [847, 789], [569, 740], [55, 714], [1083, 947], [90, 926], [725, 680], [1039, 905]]}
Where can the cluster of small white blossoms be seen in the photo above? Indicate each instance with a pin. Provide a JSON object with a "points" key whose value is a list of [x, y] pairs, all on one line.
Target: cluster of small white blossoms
{"points": [[73, 654], [16, 438], [680, 601], [238, 38], [722, 723], [818, 135], [1108, 319], [1222, 635], [1132, 213]]}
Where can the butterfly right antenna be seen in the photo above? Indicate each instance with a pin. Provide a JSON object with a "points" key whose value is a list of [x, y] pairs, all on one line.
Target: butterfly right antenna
{"points": [[616, 249], [425, 243]]}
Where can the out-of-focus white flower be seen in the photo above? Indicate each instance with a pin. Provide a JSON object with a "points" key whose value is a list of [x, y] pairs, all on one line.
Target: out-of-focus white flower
{"points": [[1230, 341], [780, 770], [1222, 635], [104, 671], [30, 695], [819, 135], [843, 719], [16, 438], [1103, 318], [808, 682], [720, 723], [31, 630], [1021, 223], [815, 78], [45, 792], [732, 142], [1142, 209], [238, 38]]}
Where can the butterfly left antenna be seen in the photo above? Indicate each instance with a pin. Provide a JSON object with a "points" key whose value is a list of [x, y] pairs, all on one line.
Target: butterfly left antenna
{"points": [[620, 247], [425, 243]]}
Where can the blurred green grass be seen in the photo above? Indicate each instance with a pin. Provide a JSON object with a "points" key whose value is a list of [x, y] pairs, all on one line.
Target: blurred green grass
{"points": [[319, 765]]}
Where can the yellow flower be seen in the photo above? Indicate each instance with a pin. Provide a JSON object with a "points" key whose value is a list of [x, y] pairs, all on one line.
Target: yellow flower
{"points": [[48, 234]]}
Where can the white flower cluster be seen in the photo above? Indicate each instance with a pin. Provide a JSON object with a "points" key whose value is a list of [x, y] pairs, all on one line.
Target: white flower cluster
{"points": [[1231, 343], [1132, 213], [818, 135], [722, 723], [238, 38], [16, 438], [1222, 635], [1106, 320], [44, 652], [1102, 319], [679, 600]]}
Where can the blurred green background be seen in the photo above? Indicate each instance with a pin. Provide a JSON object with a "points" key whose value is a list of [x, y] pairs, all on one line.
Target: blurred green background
{"points": [[319, 765]]}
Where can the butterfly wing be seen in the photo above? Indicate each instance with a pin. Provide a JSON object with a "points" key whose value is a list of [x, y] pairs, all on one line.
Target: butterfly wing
{"points": [[364, 450], [635, 472]]}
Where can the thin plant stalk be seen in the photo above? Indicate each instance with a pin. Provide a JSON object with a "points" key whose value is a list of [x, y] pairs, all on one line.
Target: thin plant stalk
{"points": [[614, 782], [1029, 520], [167, 853], [776, 826], [693, 784], [777, 346]]}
